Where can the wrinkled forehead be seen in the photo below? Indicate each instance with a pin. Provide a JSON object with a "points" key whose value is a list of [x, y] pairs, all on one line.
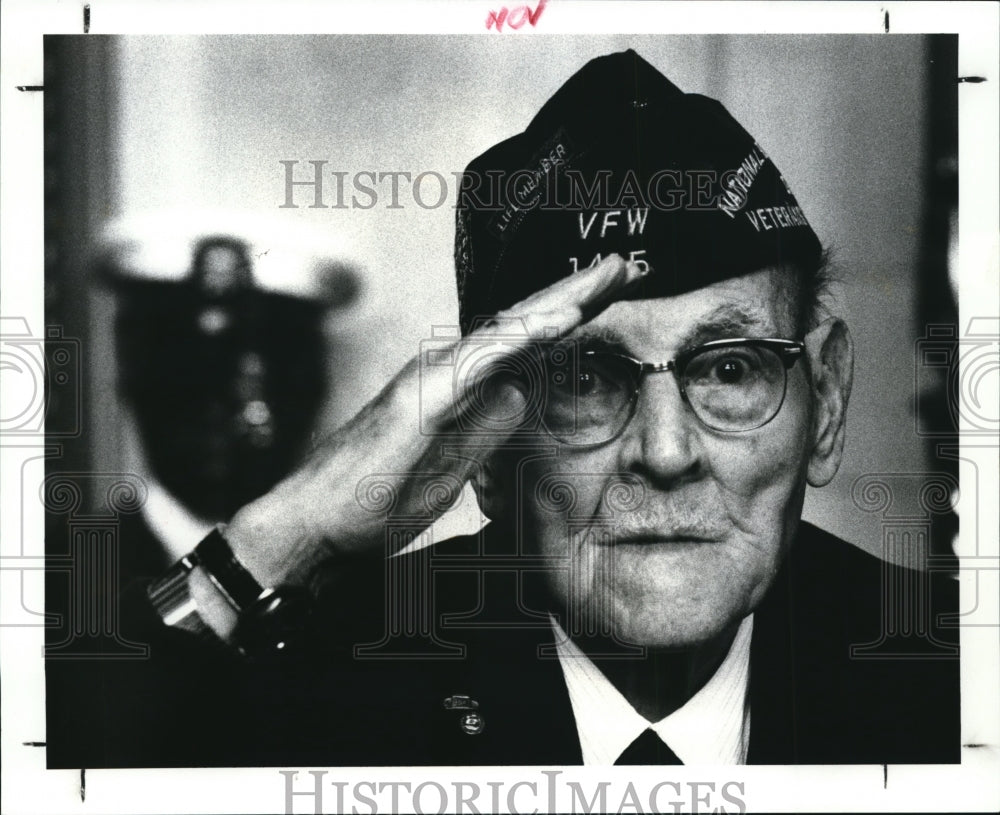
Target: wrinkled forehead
{"points": [[760, 304]]}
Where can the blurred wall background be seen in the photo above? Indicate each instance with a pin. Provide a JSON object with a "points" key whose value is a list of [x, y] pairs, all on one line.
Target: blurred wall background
{"points": [[205, 121]]}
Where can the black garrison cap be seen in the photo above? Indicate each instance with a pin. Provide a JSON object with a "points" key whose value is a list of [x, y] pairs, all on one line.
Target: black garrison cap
{"points": [[621, 160]]}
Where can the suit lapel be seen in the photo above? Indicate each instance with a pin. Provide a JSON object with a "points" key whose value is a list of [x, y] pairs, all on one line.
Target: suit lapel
{"points": [[772, 678], [522, 702]]}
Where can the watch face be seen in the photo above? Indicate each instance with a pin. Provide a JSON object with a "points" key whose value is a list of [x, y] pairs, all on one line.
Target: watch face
{"points": [[275, 626]]}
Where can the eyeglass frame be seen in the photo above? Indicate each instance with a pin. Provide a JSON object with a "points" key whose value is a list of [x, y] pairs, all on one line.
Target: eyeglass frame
{"points": [[788, 351]]}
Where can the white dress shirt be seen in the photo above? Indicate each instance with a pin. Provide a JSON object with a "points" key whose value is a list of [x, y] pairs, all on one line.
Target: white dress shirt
{"points": [[712, 727]]}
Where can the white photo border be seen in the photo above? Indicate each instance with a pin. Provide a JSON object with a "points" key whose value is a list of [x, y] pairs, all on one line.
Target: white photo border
{"points": [[29, 788]]}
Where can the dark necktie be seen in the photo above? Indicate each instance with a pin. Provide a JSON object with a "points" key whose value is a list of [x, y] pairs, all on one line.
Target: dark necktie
{"points": [[648, 748]]}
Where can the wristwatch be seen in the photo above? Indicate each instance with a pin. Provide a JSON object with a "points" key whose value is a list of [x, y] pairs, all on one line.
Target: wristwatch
{"points": [[270, 621]]}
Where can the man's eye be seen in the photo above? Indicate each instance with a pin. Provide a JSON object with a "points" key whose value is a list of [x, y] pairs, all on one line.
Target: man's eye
{"points": [[726, 367], [730, 370], [591, 383]]}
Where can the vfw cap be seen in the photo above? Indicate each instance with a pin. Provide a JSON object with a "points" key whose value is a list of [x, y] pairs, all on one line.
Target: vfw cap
{"points": [[621, 160]]}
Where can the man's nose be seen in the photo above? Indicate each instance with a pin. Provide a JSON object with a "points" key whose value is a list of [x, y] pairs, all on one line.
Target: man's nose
{"points": [[662, 441]]}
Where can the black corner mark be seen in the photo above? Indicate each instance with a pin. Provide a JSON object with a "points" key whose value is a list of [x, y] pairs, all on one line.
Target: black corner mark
{"points": [[973, 79], [30, 87], [86, 18], [83, 785], [885, 22]]}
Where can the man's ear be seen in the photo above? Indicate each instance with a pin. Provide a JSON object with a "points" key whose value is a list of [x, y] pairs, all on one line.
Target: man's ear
{"points": [[831, 359]]}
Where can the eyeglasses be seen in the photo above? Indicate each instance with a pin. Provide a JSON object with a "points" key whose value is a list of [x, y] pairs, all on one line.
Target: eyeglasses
{"points": [[731, 386]]}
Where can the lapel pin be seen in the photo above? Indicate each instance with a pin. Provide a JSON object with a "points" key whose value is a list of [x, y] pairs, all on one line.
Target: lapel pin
{"points": [[470, 722]]}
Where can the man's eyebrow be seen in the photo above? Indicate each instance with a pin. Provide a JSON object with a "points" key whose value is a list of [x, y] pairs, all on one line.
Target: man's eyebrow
{"points": [[599, 337], [725, 321], [730, 320]]}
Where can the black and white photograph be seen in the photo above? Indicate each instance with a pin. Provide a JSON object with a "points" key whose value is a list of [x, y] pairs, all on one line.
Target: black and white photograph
{"points": [[483, 407]]}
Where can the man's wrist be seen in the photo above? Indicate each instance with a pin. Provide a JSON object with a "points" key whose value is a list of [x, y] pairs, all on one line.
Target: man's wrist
{"points": [[260, 623], [272, 544], [262, 544], [211, 591]]}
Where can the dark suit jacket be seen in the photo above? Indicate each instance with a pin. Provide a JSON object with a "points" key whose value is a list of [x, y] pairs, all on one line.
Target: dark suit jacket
{"points": [[849, 664]]}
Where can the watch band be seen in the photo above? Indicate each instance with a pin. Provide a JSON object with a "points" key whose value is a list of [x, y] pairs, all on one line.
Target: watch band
{"points": [[271, 621], [171, 597], [229, 576]]}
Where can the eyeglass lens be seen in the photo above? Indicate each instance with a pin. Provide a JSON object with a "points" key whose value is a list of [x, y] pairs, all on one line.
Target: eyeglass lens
{"points": [[591, 396]]}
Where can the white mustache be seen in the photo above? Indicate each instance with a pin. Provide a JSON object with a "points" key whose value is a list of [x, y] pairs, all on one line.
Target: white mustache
{"points": [[634, 514]]}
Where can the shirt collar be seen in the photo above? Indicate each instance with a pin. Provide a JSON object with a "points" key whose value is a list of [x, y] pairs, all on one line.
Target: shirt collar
{"points": [[712, 727]]}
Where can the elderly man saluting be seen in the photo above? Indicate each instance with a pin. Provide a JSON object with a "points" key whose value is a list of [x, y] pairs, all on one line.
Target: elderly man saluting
{"points": [[662, 384]]}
